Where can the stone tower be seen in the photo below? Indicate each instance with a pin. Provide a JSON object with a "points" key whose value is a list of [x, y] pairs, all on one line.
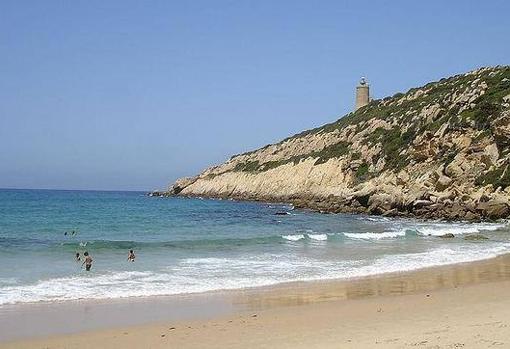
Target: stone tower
{"points": [[362, 94]]}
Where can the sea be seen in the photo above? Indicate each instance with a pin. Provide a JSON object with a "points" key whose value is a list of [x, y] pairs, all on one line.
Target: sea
{"points": [[185, 245]]}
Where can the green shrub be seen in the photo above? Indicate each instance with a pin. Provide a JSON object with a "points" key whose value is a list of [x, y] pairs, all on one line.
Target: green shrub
{"points": [[333, 151], [356, 156], [484, 113], [499, 177], [362, 172], [249, 166]]}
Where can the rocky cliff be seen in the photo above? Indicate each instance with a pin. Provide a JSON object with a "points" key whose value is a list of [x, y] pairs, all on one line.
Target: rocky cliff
{"points": [[438, 151]]}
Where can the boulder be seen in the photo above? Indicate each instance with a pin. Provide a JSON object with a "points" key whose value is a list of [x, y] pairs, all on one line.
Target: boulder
{"points": [[442, 130], [447, 236], [494, 209], [363, 199], [470, 216], [492, 152], [475, 237], [391, 213], [454, 170], [422, 203], [182, 183], [382, 201], [463, 142], [443, 182], [281, 213], [156, 193]]}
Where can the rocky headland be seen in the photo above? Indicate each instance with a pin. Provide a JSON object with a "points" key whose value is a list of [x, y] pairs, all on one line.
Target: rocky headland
{"points": [[437, 151]]}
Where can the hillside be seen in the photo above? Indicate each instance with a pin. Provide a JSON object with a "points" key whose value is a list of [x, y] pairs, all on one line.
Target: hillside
{"points": [[437, 151]]}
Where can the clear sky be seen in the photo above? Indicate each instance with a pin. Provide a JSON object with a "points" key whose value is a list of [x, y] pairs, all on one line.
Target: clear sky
{"points": [[133, 94]]}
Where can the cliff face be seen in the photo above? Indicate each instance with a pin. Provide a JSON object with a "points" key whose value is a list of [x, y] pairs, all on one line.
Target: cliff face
{"points": [[441, 150]]}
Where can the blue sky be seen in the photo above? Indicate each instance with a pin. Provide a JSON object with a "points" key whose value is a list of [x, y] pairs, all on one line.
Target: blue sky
{"points": [[133, 94]]}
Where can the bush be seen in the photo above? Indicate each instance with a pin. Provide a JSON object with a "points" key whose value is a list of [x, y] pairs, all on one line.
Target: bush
{"points": [[499, 177], [249, 166], [362, 172], [483, 114], [333, 151]]}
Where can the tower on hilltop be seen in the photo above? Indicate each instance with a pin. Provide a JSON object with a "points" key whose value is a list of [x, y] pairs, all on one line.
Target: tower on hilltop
{"points": [[362, 94]]}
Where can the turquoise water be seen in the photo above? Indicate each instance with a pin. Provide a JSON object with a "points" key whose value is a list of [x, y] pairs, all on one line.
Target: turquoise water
{"points": [[192, 245]]}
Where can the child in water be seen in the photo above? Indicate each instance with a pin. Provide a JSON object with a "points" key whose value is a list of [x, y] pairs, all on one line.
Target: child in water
{"points": [[87, 261], [131, 256], [78, 256]]}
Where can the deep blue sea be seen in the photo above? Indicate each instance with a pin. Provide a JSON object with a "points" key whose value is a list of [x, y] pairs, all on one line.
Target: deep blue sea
{"points": [[191, 245]]}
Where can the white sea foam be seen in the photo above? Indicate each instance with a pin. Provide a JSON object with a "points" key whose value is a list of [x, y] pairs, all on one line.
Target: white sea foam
{"points": [[459, 228], [376, 236], [293, 237], [375, 219], [193, 275], [318, 237]]}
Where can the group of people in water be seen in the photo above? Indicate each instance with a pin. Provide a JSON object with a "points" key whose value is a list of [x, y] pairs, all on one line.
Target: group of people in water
{"points": [[87, 259]]}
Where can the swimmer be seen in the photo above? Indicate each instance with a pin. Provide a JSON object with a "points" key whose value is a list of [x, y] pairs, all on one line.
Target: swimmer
{"points": [[87, 261], [131, 256], [78, 258]]}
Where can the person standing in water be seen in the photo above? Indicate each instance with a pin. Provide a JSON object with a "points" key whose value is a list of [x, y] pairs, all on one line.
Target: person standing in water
{"points": [[131, 256], [78, 258], [87, 261]]}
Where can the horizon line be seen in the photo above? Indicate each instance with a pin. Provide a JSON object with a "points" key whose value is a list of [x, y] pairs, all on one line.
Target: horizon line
{"points": [[104, 190]]}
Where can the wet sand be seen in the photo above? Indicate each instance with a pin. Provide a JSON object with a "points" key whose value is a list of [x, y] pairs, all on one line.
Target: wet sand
{"points": [[456, 306]]}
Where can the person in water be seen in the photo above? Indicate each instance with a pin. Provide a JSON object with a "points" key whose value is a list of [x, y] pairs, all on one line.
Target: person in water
{"points": [[78, 258], [131, 256], [87, 261]]}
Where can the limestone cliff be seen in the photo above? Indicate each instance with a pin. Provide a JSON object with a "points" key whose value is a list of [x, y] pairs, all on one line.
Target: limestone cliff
{"points": [[441, 150]]}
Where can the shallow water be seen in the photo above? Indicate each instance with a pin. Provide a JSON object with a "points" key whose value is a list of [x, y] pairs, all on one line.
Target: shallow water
{"points": [[191, 245]]}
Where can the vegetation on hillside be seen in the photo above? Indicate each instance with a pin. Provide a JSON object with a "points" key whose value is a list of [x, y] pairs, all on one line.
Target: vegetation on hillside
{"points": [[403, 112]]}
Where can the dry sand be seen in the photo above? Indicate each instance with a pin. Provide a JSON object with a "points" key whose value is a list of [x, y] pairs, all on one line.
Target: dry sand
{"points": [[460, 306]]}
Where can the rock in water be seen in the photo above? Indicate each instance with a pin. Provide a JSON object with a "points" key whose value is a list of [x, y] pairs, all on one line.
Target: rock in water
{"points": [[475, 237], [447, 236]]}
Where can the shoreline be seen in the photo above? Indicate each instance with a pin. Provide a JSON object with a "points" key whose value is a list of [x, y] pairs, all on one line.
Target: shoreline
{"points": [[327, 205], [30, 325], [257, 288]]}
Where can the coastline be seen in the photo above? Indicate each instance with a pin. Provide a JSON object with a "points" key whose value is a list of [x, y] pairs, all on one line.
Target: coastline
{"points": [[449, 212], [288, 307]]}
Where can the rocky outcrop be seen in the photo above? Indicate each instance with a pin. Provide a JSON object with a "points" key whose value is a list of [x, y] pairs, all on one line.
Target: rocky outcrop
{"points": [[475, 237], [182, 183], [439, 151]]}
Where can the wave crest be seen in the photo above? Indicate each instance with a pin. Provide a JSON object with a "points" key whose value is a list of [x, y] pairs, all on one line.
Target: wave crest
{"points": [[376, 236], [293, 237]]}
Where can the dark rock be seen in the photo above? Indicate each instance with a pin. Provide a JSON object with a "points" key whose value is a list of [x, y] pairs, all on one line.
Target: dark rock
{"points": [[363, 200], [447, 236], [391, 213], [281, 213], [155, 193], [475, 237], [494, 209], [422, 203], [470, 216]]}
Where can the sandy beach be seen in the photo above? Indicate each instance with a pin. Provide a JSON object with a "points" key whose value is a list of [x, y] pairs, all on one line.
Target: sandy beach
{"points": [[456, 306]]}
